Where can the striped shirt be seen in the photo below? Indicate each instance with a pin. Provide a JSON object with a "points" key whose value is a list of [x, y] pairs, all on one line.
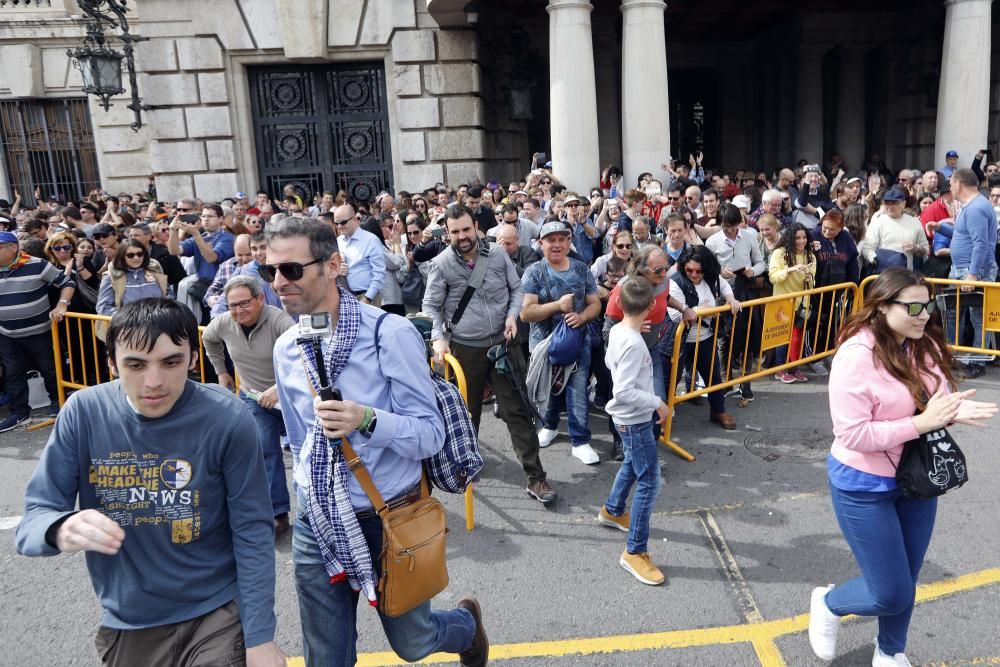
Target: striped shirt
{"points": [[24, 297]]}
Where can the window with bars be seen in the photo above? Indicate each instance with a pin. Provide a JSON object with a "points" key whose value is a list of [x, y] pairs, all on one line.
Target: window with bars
{"points": [[48, 145]]}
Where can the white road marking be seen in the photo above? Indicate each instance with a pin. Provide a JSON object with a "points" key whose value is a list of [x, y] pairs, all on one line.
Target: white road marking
{"points": [[9, 522]]}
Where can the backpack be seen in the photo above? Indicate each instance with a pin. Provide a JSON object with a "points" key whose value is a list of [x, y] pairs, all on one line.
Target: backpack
{"points": [[459, 462]]}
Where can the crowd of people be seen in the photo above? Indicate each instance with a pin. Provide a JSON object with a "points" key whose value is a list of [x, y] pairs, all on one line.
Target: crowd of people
{"points": [[554, 302]]}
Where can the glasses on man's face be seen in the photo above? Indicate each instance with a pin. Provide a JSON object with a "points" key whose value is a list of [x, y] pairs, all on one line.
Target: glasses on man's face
{"points": [[183, 210], [623, 246], [240, 305], [62, 248], [134, 255], [902, 181], [98, 237], [914, 308], [341, 223], [673, 198], [290, 270], [660, 270]]}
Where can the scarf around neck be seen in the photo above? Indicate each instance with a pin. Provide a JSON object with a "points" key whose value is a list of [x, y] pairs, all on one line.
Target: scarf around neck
{"points": [[342, 544]]}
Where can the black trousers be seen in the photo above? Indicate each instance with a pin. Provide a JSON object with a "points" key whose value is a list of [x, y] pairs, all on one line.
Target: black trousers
{"points": [[21, 355]]}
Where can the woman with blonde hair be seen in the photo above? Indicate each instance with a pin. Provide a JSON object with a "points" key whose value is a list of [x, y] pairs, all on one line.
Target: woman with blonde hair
{"points": [[892, 356]]}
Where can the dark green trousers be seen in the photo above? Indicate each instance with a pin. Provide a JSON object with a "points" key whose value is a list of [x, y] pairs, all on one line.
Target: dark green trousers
{"points": [[478, 371]]}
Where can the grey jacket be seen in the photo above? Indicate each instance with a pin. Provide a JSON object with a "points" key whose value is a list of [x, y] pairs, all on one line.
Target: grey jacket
{"points": [[498, 298]]}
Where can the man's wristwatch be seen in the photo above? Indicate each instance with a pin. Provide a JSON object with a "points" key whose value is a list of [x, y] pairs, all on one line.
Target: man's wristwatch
{"points": [[64, 301], [371, 426]]}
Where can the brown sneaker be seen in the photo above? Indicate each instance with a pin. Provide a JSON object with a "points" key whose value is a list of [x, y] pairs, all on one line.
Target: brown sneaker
{"points": [[541, 491], [478, 654], [605, 518], [641, 567], [723, 419]]}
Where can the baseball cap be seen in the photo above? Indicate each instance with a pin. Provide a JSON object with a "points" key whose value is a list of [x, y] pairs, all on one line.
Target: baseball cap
{"points": [[522, 192], [852, 181], [894, 194], [8, 237], [741, 201], [951, 154], [102, 228], [241, 195], [554, 227], [572, 198]]}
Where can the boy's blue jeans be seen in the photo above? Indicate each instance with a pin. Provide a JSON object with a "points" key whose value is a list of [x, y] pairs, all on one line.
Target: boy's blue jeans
{"points": [[328, 613], [888, 534], [642, 469]]}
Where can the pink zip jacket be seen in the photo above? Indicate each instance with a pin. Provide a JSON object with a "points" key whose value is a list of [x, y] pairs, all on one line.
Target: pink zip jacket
{"points": [[872, 411]]}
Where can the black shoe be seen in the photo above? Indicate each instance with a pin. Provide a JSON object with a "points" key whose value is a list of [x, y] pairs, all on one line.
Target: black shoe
{"points": [[746, 393], [619, 453], [972, 371], [478, 654]]}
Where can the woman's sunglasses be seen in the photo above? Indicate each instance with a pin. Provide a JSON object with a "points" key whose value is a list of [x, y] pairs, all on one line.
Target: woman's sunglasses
{"points": [[914, 308], [624, 246], [290, 270], [62, 247], [134, 255]]}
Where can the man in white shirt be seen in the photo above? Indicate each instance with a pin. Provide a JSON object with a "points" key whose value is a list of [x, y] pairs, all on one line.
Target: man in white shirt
{"points": [[363, 255]]}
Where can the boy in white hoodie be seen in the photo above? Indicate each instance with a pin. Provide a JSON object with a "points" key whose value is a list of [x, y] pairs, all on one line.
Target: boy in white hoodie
{"points": [[632, 408]]}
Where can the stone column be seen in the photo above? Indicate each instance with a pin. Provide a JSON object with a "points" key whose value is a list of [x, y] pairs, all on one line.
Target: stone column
{"points": [[964, 94], [851, 107], [645, 109], [809, 107], [573, 95]]}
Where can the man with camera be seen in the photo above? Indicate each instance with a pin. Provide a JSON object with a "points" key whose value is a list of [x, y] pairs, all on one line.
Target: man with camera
{"points": [[391, 420], [492, 296], [209, 248]]}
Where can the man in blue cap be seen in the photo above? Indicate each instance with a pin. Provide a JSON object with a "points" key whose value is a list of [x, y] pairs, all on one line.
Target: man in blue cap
{"points": [[25, 328], [951, 164]]}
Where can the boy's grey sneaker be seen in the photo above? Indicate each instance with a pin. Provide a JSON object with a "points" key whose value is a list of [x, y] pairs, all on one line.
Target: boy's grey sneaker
{"points": [[13, 421]]}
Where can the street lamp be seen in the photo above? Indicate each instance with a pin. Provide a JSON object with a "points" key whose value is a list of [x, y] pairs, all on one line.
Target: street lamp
{"points": [[101, 66]]}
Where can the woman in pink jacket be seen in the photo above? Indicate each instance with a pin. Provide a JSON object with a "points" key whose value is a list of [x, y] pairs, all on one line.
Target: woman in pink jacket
{"points": [[892, 356]]}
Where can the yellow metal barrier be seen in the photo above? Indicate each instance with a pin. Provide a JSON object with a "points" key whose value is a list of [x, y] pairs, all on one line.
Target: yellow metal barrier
{"points": [[451, 366], [776, 317], [987, 292]]}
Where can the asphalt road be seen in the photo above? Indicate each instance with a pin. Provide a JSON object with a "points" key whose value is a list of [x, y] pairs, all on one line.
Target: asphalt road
{"points": [[743, 534]]}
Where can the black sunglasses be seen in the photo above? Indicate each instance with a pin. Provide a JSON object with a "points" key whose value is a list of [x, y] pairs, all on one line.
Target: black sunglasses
{"points": [[914, 308], [290, 270], [134, 255], [98, 237]]}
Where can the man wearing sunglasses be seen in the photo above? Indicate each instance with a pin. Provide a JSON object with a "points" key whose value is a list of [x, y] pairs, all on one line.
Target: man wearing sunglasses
{"points": [[362, 252], [249, 333], [392, 382]]}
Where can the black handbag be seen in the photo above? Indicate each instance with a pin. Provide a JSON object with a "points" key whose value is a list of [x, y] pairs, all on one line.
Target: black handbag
{"points": [[931, 465]]}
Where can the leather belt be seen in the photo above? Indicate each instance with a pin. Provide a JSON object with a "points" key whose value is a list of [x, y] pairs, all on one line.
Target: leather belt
{"points": [[402, 500]]}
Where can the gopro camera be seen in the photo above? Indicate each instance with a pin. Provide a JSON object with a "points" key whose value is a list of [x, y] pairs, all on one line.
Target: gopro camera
{"points": [[315, 326]]}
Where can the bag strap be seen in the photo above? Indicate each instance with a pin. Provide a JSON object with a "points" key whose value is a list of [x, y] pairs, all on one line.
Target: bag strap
{"points": [[378, 327], [475, 282], [360, 472]]}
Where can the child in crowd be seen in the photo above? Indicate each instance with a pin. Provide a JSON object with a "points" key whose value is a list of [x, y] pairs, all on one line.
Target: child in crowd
{"points": [[633, 402]]}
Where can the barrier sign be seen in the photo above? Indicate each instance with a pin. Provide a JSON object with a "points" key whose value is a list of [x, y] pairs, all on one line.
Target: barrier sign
{"points": [[778, 319], [991, 309]]}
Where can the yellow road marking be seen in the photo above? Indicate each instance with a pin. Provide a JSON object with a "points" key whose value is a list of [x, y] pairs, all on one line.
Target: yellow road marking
{"points": [[760, 635]]}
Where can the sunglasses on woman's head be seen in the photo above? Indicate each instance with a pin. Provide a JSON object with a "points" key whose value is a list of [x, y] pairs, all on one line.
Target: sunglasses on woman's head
{"points": [[914, 308], [290, 270]]}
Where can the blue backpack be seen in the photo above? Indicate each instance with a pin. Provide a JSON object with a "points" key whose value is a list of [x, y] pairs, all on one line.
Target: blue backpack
{"points": [[459, 462]]}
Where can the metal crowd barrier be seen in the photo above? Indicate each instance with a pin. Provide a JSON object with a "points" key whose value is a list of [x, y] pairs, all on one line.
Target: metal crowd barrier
{"points": [[90, 368], [949, 296], [768, 324]]}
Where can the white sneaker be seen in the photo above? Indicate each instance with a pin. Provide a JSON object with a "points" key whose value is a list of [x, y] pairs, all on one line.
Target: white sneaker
{"points": [[823, 625], [546, 436], [881, 659], [586, 454]]}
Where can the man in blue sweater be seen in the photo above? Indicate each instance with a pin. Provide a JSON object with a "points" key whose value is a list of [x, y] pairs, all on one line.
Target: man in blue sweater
{"points": [[973, 245], [175, 516]]}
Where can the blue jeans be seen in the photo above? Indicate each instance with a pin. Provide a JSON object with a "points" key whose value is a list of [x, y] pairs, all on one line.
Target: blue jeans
{"points": [[328, 613], [269, 428], [574, 401], [888, 534], [642, 469], [975, 313]]}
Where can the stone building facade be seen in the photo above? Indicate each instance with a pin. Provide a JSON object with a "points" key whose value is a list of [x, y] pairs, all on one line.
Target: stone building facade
{"points": [[402, 94]]}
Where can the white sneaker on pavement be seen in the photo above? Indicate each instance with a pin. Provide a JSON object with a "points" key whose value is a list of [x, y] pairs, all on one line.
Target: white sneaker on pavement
{"points": [[546, 436], [823, 625], [586, 454], [881, 659]]}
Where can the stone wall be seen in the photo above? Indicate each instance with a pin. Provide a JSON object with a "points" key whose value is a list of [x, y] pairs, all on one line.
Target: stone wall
{"points": [[198, 139]]}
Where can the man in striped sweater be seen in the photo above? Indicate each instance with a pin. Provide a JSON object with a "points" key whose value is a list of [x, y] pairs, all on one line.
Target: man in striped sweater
{"points": [[25, 338]]}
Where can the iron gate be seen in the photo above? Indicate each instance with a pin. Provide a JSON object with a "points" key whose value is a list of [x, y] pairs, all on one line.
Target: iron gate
{"points": [[49, 145], [322, 128]]}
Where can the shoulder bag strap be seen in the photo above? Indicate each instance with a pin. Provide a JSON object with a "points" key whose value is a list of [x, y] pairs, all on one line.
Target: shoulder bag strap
{"points": [[360, 472], [475, 282]]}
